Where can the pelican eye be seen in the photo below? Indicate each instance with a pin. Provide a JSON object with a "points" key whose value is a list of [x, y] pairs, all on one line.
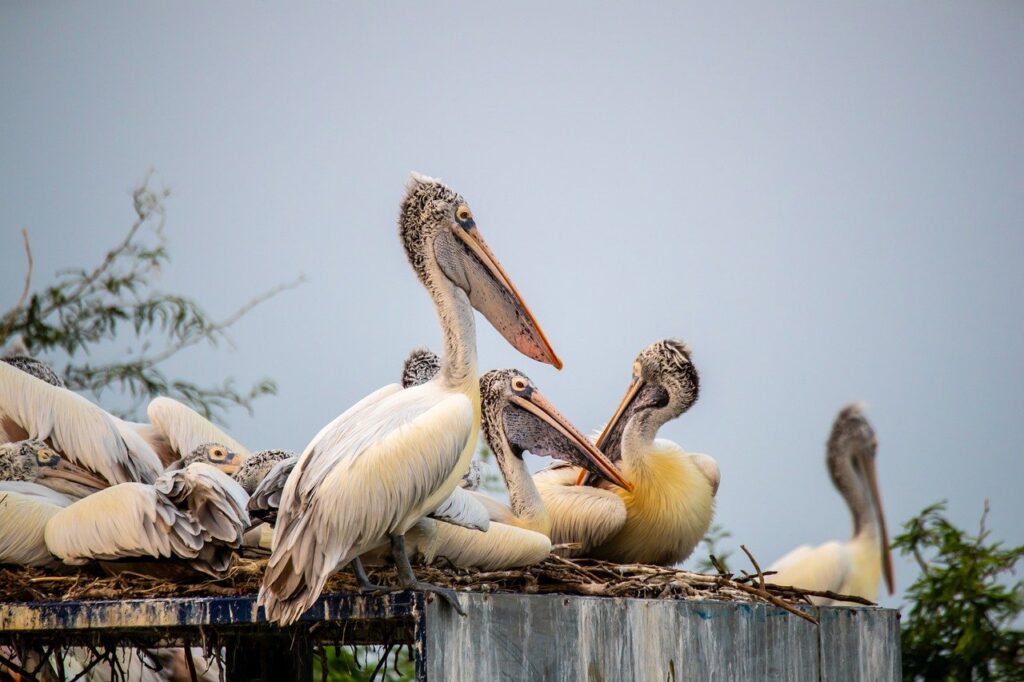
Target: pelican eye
{"points": [[519, 385], [218, 454], [43, 457], [463, 215]]}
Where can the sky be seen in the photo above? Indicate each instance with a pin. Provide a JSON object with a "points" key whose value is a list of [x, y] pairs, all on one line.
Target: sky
{"points": [[825, 200]]}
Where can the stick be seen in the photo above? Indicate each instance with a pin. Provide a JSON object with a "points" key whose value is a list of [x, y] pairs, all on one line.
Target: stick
{"points": [[13, 313]]}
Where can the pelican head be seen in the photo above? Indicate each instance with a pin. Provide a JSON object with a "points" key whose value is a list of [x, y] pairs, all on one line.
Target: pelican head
{"points": [[256, 466], [34, 461], [223, 458], [851, 464], [420, 367], [441, 238], [516, 418], [664, 385], [37, 368]]}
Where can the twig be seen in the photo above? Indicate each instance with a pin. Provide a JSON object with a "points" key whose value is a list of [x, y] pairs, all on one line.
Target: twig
{"points": [[764, 594], [760, 575], [12, 315], [219, 327]]}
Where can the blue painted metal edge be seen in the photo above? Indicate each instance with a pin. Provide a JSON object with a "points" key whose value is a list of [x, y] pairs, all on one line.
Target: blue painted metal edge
{"points": [[195, 611]]}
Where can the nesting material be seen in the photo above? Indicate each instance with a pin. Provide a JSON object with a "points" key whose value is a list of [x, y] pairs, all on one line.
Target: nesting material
{"points": [[555, 575]]}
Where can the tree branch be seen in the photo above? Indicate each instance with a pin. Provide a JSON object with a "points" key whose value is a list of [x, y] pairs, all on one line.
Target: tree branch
{"points": [[12, 315]]}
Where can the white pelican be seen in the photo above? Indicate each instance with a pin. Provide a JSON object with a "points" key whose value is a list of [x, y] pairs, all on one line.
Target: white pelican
{"points": [[175, 429], [196, 513], [81, 431], [255, 468], [669, 508], [37, 368], [854, 567], [394, 456]]}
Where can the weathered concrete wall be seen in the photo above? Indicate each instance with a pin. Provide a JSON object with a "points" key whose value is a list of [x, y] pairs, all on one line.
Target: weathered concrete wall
{"points": [[513, 637]]}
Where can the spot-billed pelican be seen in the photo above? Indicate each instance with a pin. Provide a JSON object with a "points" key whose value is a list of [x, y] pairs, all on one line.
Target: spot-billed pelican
{"points": [[196, 513], [854, 567], [37, 368], [669, 508], [175, 430], [393, 457], [81, 431], [257, 466]]}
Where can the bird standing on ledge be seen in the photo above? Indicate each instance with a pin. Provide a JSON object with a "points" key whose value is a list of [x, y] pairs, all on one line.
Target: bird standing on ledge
{"points": [[396, 455]]}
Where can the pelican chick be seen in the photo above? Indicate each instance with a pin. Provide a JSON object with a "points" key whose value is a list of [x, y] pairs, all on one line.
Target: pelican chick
{"points": [[670, 506], [854, 567]]}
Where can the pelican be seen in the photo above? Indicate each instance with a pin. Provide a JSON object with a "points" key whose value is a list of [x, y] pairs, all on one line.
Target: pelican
{"points": [[255, 468], [394, 456], [196, 513], [79, 430], [669, 508], [854, 567], [37, 368], [175, 429]]}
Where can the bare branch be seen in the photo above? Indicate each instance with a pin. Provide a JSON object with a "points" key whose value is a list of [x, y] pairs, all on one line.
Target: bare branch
{"points": [[12, 315]]}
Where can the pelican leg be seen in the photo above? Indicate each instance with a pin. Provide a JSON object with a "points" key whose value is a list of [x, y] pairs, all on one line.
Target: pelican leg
{"points": [[365, 586], [407, 579]]}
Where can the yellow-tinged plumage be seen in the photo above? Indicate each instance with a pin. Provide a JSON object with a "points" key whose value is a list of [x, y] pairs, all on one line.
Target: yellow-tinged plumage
{"points": [[854, 567], [667, 512]]}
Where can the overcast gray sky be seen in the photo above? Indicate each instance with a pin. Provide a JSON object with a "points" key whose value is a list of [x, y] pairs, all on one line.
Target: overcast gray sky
{"points": [[825, 200]]}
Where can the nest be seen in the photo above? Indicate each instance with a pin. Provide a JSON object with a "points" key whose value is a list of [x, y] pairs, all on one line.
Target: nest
{"points": [[555, 575]]}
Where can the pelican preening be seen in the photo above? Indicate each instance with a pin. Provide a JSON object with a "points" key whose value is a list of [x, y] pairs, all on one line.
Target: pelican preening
{"points": [[669, 507], [196, 514], [854, 567], [393, 457]]}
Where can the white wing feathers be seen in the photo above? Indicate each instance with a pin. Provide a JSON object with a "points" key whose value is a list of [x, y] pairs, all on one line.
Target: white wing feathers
{"points": [[23, 518], [579, 514], [825, 567], [185, 429], [266, 499], [81, 431], [359, 481], [213, 499], [127, 520], [196, 513], [462, 508], [501, 547]]}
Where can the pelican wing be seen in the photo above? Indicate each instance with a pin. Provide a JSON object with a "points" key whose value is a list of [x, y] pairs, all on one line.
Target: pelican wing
{"points": [[462, 508], [266, 499], [825, 567], [127, 520], [501, 547], [81, 431], [579, 514], [358, 482], [23, 517], [211, 497], [37, 491], [185, 429]]}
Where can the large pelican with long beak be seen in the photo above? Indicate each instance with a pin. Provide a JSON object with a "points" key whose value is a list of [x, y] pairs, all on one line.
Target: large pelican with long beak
{"points": [[393, 457], [669, 507], [854, 567]]}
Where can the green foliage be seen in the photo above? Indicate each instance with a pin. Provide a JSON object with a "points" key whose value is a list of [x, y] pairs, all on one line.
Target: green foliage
{"points": [[363, 664], [492, 475], [963, 606], [115, 307], [716, 534]]}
